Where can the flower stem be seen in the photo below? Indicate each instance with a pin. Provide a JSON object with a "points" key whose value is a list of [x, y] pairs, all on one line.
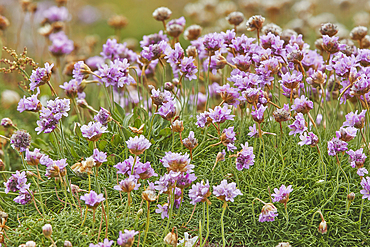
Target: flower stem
{"points": [[222, 224], [147, 222]]}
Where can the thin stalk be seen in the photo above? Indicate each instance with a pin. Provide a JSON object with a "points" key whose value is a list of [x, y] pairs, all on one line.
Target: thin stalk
{"points": [[147, 222], [222, 224]]}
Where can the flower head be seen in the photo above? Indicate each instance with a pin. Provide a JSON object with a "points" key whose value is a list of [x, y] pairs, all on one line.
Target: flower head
{"points": [[138, 145], [20, 140], [298, 126], [177, 162], [60, 45], [336, 146], [220, 114], [226, 191], [16, 182], [92, 199], [127, 185], [357, 158], [302, 105], [199, 192], [93, 131], [268, 213], [245, 158], [365, 183], [167, 111], [190, 142], [311, 139], [103, 116], [282, 195], [163, 210], [355, 120], [29, 104], [126, 239], [40, 76]]}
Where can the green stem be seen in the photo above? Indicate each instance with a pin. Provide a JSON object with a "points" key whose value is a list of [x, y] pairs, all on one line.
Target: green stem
{"points": [[222, 224], [205, 240], [147, 222], [362, 207], [172, 199]]}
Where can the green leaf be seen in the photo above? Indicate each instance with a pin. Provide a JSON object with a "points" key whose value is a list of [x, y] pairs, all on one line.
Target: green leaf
{"points": [[165, 132], [116, 140], [74, 153], [102, 144]]}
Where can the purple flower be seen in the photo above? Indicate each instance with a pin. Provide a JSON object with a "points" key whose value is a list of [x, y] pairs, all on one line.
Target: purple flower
{"points": [[59, 106], [229, 94], [71, 88], [54, 14], [362, 171], [199, 192], [128, 185], [153, 39], [167, 111], [174, 56], [103, 116], [331, 44], [29, 104], [188, 68], [184, 181], [99, 157], [92, 199], [94, 62], [112, 51], [298, 126], [177, 162], [220, 114], [16, 182], [228, 138], [56, 169], [33, 157], [311, 139], [282, 195], [163, 210], [125, 167], [20, 140], [60, 44], [79, 71], [23, 198], [153, 52], [273, 42], [213, 41], [257, 115], [203, 119], [268, 213], [190, 142], [225, 191], [242, 62], [106, 243], [365, 183], [361, 86], [346, 134], [253, 131], [336, 146], [40, 76], [355, 120], [243, 45], [48, 121], [166, 182], [159, 97], [245, 158], [144, 170], [302, 105], [138, 145], [116, 73], [357, 158], [127, 238], [93, 131], [291, 81]]}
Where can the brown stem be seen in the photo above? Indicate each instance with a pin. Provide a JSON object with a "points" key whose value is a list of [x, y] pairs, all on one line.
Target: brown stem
{"points": [[190, 216], [101, 223], [52, 89], [312, 121]]}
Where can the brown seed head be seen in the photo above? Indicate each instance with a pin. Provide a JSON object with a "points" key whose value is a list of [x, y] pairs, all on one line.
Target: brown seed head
{"points": [[4, 22], [358, 33], [323, 228], [118, 21], [351, 196], [193, 32], [328, 29], [235, 18], [255, 22], [191, 51], [174, 30], [272, 28], [162, 14]]}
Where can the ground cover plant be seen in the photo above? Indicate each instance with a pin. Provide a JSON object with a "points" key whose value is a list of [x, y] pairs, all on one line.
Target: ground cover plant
{"points": [[240, 138]]}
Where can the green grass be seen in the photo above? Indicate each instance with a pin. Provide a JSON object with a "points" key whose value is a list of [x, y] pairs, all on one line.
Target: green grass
{"points": [[303, 169]]}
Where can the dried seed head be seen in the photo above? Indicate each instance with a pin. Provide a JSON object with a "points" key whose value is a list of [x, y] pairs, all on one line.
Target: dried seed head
{"points": [[58, 26], [118, 21], [328, 29], [68, 68], [171, 238], [191, 51], [178, 126], [67, 244], [82, 103], [149, 195], [174, 30], [175, 81], [255, 22], [2, 165], [47, 230], [235, 18], [169, 86], [162, 14], [45, 30], [281, 115], [30, 244], [286, 244], [351, 196], [274, 29], [358, 33], [323, 228], [137, 131], [365, 43], [350, 46], [4, 22], [286, 35], [319, 44], [193, 32]]}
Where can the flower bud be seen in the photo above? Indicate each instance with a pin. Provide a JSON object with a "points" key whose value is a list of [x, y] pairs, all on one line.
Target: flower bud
{"points": [[328, 29], [47, 230], [358, 33], [67, 244], [6, 122], [274, 29], [366, 42], [175, 81], [140, 212], [171, 238], [178, 126], [235, 18], [169, 86], [323, 228], [4, 22], [162, 14], [118, 21], [351, 196], [193, 32], [255, 22], [191, 51], [82, 103], [149, 195], [30, 244], [174, 30]]}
